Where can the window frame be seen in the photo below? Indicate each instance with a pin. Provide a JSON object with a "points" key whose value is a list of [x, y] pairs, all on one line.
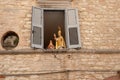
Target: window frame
{"points": [[65, 26]]}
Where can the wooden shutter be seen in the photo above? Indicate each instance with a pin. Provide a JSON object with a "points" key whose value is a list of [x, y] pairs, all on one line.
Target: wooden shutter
{"points": [[72, 29], [37, 28]]}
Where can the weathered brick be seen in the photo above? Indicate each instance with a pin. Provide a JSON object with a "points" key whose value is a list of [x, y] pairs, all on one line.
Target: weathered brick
{"points": [[99, 27]]}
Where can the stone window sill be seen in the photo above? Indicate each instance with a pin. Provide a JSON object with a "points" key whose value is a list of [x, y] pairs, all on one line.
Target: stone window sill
{"points": [[30, 51]]}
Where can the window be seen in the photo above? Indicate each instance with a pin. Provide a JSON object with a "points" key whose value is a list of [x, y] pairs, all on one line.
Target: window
{"points": [[10, 40], [45, 23]]}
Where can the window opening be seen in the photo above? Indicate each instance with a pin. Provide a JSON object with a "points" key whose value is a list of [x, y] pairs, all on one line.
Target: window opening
{"points": [[10, 40], [54, 24], [52, 28]]}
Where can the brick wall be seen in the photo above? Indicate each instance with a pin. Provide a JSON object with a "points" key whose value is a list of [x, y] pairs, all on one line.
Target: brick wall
{"points": [[99, 28], [16, 16], [59, 66], [99, 21]]}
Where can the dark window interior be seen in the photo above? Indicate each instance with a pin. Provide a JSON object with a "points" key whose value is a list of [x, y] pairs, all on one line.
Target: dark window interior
{"points": [[53, 19]]}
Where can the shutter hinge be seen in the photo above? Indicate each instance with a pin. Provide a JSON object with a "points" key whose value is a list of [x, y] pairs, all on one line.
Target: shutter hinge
{"points": [[34, 48], [33, 31]]}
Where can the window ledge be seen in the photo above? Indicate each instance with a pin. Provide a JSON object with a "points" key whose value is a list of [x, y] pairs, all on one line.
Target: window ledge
{"points": [[30, 51]]}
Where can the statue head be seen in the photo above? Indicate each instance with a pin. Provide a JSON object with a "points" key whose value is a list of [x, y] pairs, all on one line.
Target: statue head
{"points": [[59, 31], [50, 41]]}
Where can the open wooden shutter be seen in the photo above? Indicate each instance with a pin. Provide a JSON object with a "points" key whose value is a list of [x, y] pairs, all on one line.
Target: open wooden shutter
{"points": [[72, 29], [37, 28]]}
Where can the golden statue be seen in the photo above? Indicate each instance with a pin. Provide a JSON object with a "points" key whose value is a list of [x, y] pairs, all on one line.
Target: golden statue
{"points": [[60, 43], [51, 46]]}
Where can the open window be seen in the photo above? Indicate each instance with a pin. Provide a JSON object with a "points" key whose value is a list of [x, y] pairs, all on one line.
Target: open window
{"points": [[47, 22]]}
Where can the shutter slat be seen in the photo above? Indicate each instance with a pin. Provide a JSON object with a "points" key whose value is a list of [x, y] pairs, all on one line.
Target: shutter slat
{"points": [[37, 28], [73, 36], [72, 29]]}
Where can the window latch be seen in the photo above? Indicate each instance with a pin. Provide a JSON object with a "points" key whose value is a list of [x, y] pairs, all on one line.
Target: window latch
{"points": [[33, 31]]}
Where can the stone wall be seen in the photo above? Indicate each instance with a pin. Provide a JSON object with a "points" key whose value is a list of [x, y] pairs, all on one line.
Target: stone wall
{"points": [[16, 16], [59, 66], [99, 28], [99, 21]]}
